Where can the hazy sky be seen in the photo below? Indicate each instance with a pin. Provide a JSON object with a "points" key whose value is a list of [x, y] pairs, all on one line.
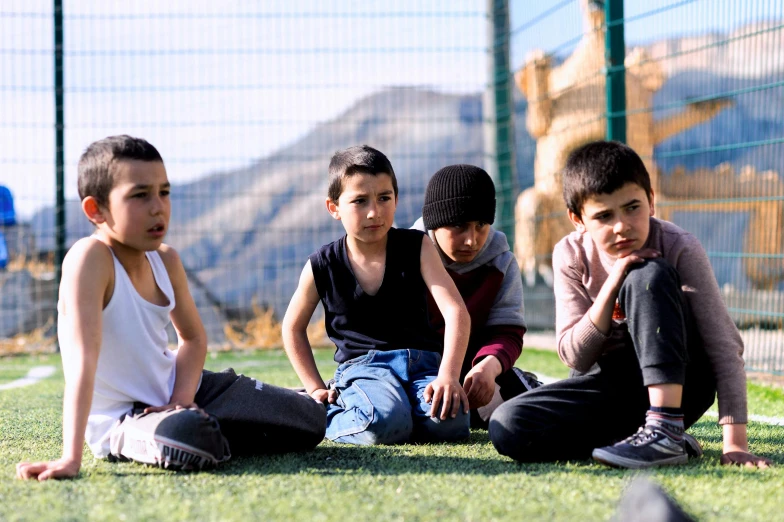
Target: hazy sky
{"points": [[216, 85]]}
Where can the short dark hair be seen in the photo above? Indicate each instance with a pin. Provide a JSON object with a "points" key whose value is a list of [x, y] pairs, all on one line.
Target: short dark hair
{"points": [[601, 167], [97, 164], [360, 159]]}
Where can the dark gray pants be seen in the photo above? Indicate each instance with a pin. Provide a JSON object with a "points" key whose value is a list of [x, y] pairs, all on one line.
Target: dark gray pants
{"points": [[245, 417], [566, 420]]}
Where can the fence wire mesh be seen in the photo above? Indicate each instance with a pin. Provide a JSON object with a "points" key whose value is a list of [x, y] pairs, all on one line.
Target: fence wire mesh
{"points": [[704, 110], [247, 102]]}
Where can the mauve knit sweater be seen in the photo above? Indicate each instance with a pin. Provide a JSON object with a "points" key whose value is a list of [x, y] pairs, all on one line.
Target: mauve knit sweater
{"points": [[580, 270]]}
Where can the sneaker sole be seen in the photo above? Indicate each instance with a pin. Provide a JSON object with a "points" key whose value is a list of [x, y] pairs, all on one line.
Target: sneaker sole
{"points": [[608, 458], [693, 447]]}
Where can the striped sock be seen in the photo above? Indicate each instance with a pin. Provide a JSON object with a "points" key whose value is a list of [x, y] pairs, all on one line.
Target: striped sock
{"points": [[669, 421]]}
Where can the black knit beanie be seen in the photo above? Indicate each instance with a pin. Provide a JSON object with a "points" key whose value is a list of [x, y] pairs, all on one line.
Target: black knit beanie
{"points": [[458, 194]]}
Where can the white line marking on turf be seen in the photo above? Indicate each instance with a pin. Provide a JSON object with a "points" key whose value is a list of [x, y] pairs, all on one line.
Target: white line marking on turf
{"points": [[764, 419], [33, 376]]}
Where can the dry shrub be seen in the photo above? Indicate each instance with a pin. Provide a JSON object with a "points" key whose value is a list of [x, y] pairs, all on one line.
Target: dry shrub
{"points": [[36, 267], [264, 332], [36, 341]]}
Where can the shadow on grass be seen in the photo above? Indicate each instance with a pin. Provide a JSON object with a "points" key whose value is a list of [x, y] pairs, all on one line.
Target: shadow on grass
{"points": [[390, 461], [473, 457]]}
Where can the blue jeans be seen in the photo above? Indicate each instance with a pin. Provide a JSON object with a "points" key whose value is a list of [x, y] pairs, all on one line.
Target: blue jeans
{"points": [[381, 400]]}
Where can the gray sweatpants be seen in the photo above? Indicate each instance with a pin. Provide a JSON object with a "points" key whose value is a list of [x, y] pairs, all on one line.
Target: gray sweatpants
{"points": [[245, 417]]}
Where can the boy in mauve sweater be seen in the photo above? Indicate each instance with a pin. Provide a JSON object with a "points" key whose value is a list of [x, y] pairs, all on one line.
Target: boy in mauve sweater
{"points": [[641, 322]]}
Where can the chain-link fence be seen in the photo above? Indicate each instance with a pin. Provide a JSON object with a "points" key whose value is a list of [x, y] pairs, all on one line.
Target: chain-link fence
{"points": [[247, 101], [703, 107]]}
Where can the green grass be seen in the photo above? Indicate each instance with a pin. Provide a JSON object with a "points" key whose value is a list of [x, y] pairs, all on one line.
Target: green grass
{"points": [[467, 481]]}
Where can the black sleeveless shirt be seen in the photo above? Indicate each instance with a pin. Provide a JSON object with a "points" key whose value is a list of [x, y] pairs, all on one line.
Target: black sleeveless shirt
{"points": [[393, 319]]}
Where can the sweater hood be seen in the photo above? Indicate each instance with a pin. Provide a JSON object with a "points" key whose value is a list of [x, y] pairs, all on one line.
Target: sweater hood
{"points": [[495, 246]]}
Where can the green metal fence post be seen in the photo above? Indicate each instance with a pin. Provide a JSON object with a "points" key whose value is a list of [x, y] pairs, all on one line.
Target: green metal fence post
{"points": [[499, 118], [615, 73], [59, 145]]}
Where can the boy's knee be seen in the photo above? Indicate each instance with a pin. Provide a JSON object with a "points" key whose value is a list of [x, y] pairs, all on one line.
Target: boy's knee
{"points": [[656, 271], [433, 429], [371, 425], [389, 426], [175, 439], [510, 432], [501, 431]]}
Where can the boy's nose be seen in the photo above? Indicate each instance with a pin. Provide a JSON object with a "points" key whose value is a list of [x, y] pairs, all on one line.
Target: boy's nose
{"points": [[621, 226], [157, 206]]}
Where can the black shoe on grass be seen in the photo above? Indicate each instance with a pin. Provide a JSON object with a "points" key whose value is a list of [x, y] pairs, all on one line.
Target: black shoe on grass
{"points": [[647, 448], [529, 380]]}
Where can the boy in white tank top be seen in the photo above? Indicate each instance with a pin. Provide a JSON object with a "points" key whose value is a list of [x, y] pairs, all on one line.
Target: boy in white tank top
{"points": [[126, 393]]}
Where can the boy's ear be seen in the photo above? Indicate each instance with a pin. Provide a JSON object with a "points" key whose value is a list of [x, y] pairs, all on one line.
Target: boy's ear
{"points": [[651, 200], [333, 209], [92, 210], [577, 221]]}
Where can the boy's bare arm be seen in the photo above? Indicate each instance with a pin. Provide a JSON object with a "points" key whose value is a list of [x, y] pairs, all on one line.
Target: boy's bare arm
{"points": [[457, 329], [87, 273], [192, 350], [295, 338]]}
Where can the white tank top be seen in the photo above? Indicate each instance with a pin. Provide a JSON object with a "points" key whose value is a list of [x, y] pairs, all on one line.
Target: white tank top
{"points": [[135, 363]]}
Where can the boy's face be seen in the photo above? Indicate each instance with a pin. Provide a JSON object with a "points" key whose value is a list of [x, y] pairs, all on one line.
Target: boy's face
{"points": [[618, 222], [139, 208], [462, 242], [366, 207]]}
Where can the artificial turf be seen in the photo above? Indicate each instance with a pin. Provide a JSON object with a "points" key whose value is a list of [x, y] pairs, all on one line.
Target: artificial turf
{"points": [[467, 481]]}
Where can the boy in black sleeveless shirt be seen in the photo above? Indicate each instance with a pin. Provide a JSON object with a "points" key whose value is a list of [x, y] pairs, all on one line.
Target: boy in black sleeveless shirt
{"points": [[392, 384]]}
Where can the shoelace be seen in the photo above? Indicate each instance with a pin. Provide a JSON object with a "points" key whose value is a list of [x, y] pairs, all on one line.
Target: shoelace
{"points": [[643, 435]]}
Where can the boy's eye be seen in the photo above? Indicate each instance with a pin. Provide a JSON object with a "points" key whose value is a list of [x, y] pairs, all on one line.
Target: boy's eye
{"points": [[632, 208], [165, 193], [358, 201], [384, 198], [139, 195]]}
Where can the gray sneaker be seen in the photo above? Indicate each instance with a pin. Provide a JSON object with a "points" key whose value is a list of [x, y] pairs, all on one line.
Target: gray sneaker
{"points": [[648, 447]]}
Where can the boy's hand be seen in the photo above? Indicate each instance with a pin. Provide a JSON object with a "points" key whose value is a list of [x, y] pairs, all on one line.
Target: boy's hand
{"points": [[744, 458], [450, 392], [735, 449], [57, 469], [324, 396], [622, 264], [479, 383]]}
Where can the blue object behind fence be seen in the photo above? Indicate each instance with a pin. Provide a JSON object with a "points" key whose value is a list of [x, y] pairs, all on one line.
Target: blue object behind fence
{"points": [[3, 252], [7, 214]]}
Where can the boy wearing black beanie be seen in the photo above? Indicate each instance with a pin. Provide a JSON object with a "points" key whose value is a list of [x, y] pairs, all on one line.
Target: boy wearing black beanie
{"points": [[458, 214]]}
